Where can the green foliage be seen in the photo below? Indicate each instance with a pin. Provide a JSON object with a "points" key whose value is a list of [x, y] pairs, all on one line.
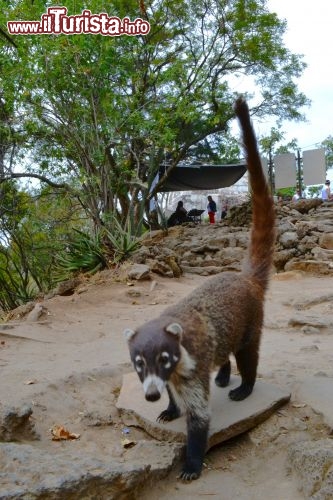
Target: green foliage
{"points": [[83, 253], [328, 145], [33, 228], [101, 112], [15, 286], [315, 191], [286, 193]]}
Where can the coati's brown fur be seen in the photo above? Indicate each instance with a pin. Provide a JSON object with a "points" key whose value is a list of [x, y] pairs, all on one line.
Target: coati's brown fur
{"points": [[182, 346]]}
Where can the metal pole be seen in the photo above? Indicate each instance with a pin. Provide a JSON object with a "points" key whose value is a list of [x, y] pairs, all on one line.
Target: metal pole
{"points": [[270, 169], [299, 173]]}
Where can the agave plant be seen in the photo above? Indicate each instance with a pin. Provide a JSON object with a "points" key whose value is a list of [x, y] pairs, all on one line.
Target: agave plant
{"points": [[84, 253], [122, 239], [14, 289]]}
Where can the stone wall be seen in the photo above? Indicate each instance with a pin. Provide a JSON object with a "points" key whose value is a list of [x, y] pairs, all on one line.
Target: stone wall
{"points": [[304, 242]]}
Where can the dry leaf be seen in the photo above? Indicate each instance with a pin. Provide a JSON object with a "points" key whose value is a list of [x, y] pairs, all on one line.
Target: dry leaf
{"points": [[61, 433], [127, 443]]}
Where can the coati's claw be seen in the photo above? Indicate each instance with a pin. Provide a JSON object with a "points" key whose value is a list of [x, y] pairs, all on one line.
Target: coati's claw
{"points": [[191, 469], [188, 476], [168, 416], [241, 392]]}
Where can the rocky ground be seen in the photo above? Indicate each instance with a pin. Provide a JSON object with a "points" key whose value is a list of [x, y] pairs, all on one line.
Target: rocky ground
{"points": [[61, 364]]}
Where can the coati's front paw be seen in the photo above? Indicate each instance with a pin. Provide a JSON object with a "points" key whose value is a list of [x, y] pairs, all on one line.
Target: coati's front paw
{"points": [[191, 471], [241, 392], [168, 415]]}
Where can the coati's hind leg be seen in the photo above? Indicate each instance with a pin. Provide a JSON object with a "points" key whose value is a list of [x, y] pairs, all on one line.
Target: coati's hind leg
{"points": [[247, 362], [172, 412], [223, 377]]}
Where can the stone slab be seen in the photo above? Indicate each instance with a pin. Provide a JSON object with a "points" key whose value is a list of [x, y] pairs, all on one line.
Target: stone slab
{"points": [[229, 418], [317, 392]]}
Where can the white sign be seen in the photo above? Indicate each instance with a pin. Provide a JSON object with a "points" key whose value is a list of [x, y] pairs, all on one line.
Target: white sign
{"points": [[285, 170], [314, 167]]}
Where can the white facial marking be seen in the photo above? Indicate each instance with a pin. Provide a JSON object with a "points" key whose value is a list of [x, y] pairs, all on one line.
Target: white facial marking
{"points": [[153, 380], [139, 362]]}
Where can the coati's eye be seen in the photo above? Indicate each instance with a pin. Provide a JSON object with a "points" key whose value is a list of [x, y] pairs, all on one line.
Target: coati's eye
{"points": [[165, 359], [139, 363]]}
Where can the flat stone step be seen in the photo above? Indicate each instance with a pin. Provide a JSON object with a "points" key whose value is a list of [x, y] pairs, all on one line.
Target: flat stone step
{"points": [[229, 418]]}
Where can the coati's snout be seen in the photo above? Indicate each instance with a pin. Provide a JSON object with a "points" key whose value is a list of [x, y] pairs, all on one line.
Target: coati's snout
{"points": [[153, 387], [152, 395]]}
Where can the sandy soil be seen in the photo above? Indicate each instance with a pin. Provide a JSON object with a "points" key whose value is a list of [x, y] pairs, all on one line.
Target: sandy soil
{"points": [[69, 365]]}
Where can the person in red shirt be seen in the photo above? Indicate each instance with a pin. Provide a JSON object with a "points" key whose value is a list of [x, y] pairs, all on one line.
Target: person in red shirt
{"points": [[211, 208]]}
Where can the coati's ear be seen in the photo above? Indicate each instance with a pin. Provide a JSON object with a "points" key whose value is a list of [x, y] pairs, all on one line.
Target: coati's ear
{"points": [[175, 329], [129, 334]]}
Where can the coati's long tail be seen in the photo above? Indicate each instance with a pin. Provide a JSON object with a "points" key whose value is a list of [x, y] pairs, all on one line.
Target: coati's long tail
{"points": [[260, 253]]}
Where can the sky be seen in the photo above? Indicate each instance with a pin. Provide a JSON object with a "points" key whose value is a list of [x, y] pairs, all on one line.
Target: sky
{"points": [[309, 32]]}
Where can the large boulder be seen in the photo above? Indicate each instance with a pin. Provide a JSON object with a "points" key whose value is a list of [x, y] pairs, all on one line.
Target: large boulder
{"points": [[326, 241], [313, 463]]}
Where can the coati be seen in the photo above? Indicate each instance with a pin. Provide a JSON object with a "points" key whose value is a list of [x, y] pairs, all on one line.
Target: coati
{"points": [[180, 348]]}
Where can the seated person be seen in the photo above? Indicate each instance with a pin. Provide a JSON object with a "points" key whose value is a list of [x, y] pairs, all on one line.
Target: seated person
{"points": [[178, 216]]}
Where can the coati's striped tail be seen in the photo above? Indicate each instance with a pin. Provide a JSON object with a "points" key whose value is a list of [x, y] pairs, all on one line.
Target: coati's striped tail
{"points": [[260, 253]]}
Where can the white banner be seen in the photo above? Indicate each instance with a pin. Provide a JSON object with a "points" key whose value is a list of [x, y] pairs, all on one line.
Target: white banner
{"points": [[285, 170], [314, 167]]}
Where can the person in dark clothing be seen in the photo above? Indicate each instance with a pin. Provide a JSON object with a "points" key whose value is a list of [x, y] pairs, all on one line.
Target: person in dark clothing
{"points": [[224, 212], [178, 216], [211, 208]]}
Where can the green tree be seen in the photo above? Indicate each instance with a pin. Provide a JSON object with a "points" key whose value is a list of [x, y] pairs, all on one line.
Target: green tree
{"points": [[328, 145], [34, 229], [100, 114], [270, 145]]}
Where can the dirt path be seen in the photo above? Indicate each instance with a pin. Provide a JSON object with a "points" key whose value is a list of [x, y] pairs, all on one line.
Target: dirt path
{"points": [[68, 367]]}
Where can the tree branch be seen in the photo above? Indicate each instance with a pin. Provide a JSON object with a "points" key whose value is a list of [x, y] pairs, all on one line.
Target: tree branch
{"points": [[34, 176]]}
